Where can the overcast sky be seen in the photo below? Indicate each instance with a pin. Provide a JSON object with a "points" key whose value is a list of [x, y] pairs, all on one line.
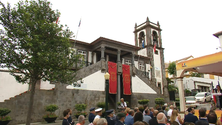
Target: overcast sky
{"points": [[187, 26]]}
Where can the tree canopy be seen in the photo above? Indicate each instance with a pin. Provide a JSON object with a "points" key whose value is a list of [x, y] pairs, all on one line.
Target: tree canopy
{"points": [[172, 68], [33, 47]]}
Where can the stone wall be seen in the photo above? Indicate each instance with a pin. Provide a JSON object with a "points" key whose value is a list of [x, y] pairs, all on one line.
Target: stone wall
{"points": [[138, 96], [61, 96]]}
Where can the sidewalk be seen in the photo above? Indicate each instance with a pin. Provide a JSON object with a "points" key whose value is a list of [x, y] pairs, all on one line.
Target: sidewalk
{"points": [[57, 122]]}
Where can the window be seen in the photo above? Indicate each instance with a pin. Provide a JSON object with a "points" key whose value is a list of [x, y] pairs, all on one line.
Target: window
{"points": [[155, 38], [128, 62], [141, 39], [83, 53], [156, 52], [141, 67]]}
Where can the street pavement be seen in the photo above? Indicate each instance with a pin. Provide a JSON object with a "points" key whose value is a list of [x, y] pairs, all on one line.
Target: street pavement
{"points": [[57, 122]]}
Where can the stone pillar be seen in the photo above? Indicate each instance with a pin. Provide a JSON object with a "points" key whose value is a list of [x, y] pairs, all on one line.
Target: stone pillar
{"points": [[119, 71], [181, 94], [103, 63], [133, 65], [102, 52]]}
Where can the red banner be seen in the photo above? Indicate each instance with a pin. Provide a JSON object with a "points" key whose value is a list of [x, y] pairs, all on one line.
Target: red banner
{"points": [[126, 80], [112, 69]]}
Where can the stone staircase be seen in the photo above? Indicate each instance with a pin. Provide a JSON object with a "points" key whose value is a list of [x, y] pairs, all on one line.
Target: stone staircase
{"points": [[86, 71], [144, 78]]}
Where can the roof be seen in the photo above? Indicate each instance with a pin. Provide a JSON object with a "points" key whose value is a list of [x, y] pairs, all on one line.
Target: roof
{"points": [[177, 61], [117, 42], [107, 40], [217, 34]]}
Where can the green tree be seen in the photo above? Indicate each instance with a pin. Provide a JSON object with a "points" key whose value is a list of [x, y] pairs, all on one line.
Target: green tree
{"points": [[33, 47], [172, 68]]}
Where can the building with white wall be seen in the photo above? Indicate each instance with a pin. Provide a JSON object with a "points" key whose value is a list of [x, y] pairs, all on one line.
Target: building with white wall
{"points": [[145, 59]]}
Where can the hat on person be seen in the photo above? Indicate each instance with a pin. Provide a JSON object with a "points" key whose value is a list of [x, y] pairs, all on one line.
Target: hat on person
{"points": [[91, 109], [120, 115], [109, 111], [98, 110]]}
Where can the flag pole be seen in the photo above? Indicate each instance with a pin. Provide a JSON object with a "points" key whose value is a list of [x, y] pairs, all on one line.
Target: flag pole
{"points": [[77, 33]]}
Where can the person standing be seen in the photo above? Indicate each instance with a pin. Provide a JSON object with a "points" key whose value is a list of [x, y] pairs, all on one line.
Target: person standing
{"points": [[91, 115], [153, 121], [190, 117], [161, 119], [98, 113], [123, 104], [169, 113], [70, 118], [203, 119], [129, 120], [121, 119], [219, 97], [146, 117], [109, 119], [66, 116], [81, 120]]}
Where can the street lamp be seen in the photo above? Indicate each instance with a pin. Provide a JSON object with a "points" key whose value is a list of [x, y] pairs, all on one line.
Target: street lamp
{"points": [[107, 90]]}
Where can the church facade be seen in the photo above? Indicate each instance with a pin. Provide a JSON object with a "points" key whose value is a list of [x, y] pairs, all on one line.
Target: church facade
{"points": [[145, 60]]}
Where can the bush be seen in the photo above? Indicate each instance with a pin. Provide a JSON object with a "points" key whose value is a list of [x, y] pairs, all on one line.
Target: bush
{"points": [[4, 111], [80, 107], [51, 108], [127, 103], [159, 101], [101, 104], [187, 91], [143, 101]]}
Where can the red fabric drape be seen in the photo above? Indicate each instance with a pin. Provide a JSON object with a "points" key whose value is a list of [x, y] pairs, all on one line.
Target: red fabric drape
{"points": [[112, 69], [126, 80]]}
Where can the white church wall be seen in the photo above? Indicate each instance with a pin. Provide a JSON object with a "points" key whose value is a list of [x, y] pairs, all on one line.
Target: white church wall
{"points": [[45, 85], [138, 86], [95, 81], [157, 67], [9, 87], [143, 52]]}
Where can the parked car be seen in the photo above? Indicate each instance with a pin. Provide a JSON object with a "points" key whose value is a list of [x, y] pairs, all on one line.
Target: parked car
{"points": [[191, 101], [203, 97]]}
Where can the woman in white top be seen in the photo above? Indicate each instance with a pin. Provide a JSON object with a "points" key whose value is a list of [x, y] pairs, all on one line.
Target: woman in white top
{"points": [[176, 117]]}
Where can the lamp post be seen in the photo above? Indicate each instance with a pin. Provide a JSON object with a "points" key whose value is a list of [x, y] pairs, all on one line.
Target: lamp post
{"points": [[107, 90]]}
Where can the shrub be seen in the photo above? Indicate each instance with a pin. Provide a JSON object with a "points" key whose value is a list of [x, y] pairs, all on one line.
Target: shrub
{"points": [[80, 107], [3, 113], [51, 108], [159, 101], [143, 101]]}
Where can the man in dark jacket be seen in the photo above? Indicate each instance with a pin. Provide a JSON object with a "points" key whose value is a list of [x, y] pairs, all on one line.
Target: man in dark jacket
{"points": [[91, 115], [109, 119], [203, 119], [121, 117], [190, 117], [153, 121]]}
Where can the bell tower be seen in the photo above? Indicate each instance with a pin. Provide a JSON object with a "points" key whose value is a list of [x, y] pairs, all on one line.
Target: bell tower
{"points": [[148, 38]]}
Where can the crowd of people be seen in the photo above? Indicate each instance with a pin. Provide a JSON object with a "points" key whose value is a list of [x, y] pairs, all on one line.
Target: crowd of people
{"points": [[149, 116]]}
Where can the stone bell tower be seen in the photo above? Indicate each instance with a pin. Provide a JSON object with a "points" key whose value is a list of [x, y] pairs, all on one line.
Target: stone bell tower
{"points": [[148, 38]]}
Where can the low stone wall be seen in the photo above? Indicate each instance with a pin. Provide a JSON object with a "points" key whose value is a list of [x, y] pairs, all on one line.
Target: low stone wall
{"points": [[61, 96], [138, 96]]}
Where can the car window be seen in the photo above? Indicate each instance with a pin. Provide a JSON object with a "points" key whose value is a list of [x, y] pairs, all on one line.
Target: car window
{"points": [[200, 95]]}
